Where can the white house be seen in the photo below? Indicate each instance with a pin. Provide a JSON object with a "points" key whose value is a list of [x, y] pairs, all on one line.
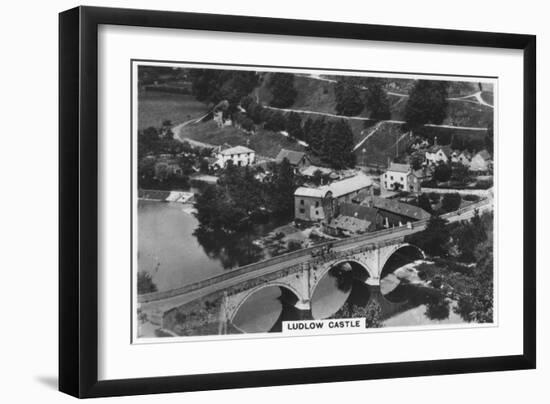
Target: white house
{"points": [[463, 158], [435, 154], [481, 161], [402, 175], [240, 155]]}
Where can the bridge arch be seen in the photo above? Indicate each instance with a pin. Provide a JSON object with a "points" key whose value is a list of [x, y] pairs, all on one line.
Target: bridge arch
{"points": [[243, 298], [408, 252], [333, 264], [330, 293]]}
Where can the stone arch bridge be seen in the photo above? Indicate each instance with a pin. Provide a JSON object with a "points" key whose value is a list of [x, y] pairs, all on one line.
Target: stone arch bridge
{"points": [[297, 277], [299, 283]]}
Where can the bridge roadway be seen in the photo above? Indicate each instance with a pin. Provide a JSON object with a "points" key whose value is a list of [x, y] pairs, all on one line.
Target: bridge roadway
{"points": [[164, 301]]}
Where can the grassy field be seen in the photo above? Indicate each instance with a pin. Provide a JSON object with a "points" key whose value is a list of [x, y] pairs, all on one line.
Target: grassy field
{"points": [[462, 88], [314, 95], [460, 113], [382, 145], [264, 143], [488, 97], [154, 107]]}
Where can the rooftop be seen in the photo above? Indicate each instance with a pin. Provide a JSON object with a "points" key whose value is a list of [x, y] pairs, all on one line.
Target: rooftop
{"points": [[312, 192], [351, 224], [293, 157], [311, 169], [236, 150], [400, 168], [446, 149], [484, 154], [338, 188], [400, 208], [349, 185], [358, 211]]}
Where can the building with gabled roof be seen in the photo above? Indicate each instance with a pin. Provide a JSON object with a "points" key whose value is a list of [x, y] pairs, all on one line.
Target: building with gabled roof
{"points": [[239, 155], [481, 161], [436, 154], [400, 177], [464, 158], [311, 204], [297, 159], [395, 213]]}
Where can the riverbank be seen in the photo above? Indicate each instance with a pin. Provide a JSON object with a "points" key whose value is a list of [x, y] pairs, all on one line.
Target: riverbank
{"points": [[460, 283], [165, 196]]}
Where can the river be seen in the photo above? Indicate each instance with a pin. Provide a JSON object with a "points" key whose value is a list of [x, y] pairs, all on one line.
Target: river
{"points": [[175, 254], [402, 305]]}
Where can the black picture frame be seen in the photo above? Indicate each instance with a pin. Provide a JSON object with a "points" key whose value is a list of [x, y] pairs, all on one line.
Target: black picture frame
{"points": [[78, 196]]}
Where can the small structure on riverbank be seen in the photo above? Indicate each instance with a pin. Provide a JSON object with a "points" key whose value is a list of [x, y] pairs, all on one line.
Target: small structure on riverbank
{"points": [[165, 196]]}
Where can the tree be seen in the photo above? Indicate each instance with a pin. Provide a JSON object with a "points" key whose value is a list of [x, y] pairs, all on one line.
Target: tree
{"points": [[424, 202], [434, 197], [281, 190], [204, 166], [416, 161], [246, 102], [314, 134], [211, 85], [376, 100], [372, 313], [477, 305], [294, 245], [434, 239], [348, 98], [275, 122], [427, 103], [145, 283], [451, 202], [256, 112], [442, 172], [337, 145], [317, 177], [294, 125], [247, 124], [282, 89], [460, 173]]}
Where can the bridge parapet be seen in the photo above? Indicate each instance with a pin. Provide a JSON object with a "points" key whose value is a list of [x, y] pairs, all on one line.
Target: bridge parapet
{"points": [[416, 226]]}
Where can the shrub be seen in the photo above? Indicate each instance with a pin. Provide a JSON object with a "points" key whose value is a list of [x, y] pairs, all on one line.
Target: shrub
{"points": [[471, 198], [451, 202], [294, 245]]}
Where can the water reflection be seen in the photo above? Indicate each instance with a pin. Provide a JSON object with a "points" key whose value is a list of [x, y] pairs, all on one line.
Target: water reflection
{"points": [[232, 250], [266, 310], [401, 303], [175, 251]]}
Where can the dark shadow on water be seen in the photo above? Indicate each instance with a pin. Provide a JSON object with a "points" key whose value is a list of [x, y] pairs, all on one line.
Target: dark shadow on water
{"points": [[232, 250], [360, 294], [401, 294], [290, 313], [48, 381]]}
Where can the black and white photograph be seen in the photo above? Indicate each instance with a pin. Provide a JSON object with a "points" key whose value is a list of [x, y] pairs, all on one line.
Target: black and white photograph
{"points": [[279, 202]]}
